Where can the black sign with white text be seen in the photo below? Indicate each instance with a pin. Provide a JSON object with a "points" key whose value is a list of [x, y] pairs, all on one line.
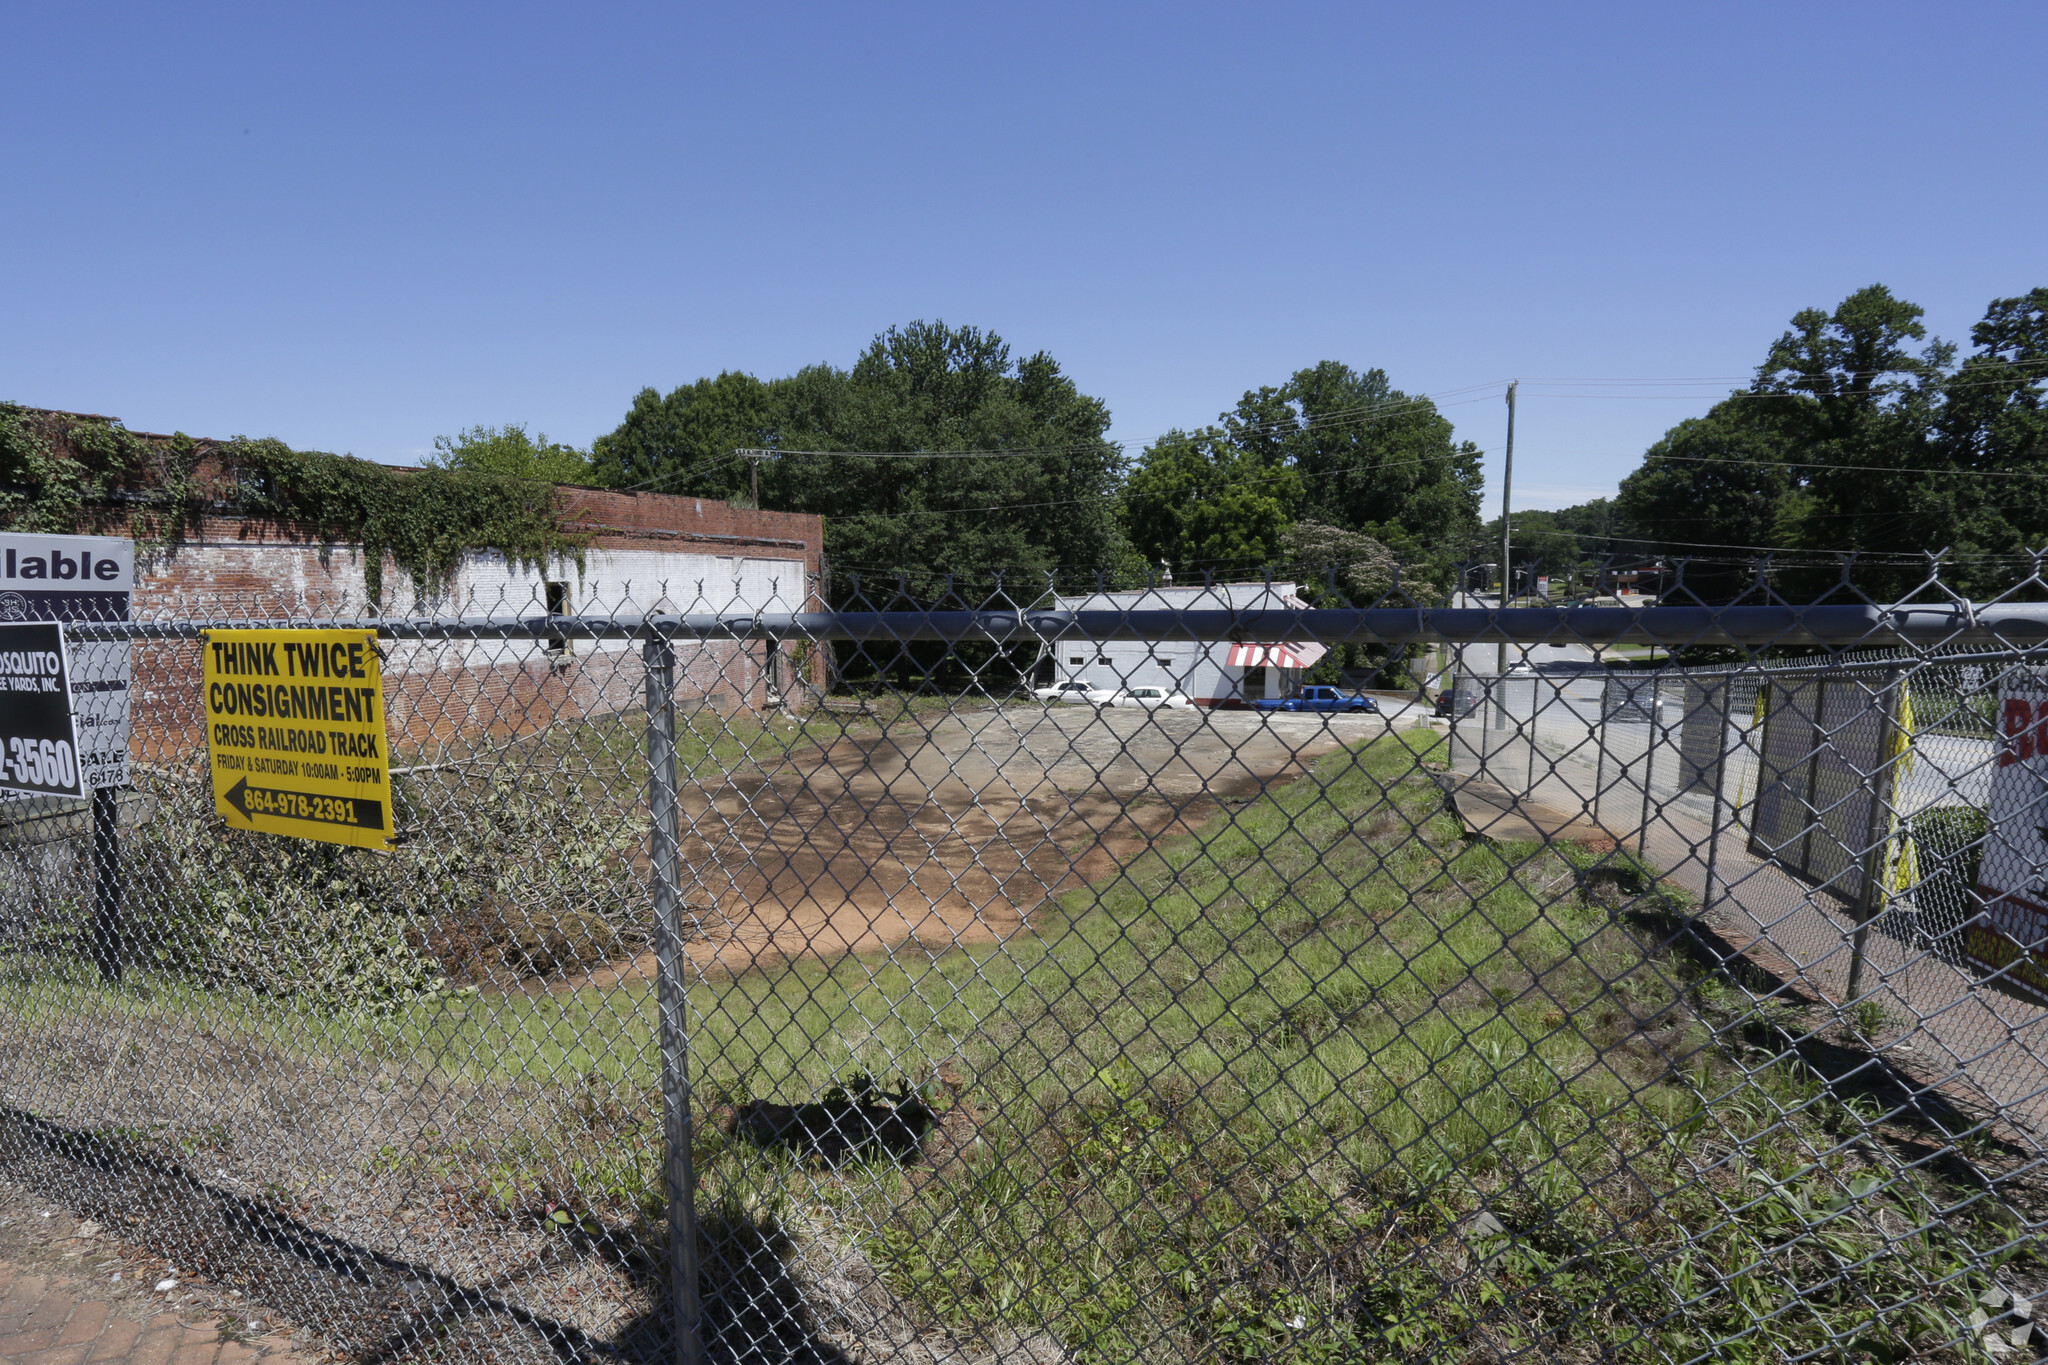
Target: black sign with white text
{"points": [[80, 578], [38, 748]]}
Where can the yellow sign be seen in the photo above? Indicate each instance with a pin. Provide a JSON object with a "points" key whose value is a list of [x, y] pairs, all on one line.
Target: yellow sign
{"points": [[295, 734]]}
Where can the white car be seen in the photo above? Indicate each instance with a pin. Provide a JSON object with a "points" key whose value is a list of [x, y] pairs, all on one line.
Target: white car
{"points": [[1155, 699], [1076, 693]]}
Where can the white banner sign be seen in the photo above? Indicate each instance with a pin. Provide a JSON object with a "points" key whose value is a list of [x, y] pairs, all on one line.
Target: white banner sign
{"points": [[80, 578], [2010, 937]]}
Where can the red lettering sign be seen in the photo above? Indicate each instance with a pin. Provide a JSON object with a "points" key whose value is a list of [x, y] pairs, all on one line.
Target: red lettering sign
{"points": [[2022, 730]]}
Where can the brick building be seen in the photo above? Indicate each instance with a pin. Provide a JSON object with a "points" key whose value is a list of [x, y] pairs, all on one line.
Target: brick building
{"points": [[642, 552]]}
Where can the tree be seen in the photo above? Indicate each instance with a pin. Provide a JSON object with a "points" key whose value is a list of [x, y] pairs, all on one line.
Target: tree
{"points": [[1592, 526], [1857, 406], [1333, 447], [1338, 567], [1371, 458], [1538, 546], [1994, 417], [684, 442], [1039, 502], [1860, 434], [1333, 567], [508, 452], [1711, 485], [1202, 503]]}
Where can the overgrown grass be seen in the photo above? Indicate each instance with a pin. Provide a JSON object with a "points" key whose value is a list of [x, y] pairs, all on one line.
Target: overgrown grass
{"points": [[1324, 1082], [1329, 1081]]}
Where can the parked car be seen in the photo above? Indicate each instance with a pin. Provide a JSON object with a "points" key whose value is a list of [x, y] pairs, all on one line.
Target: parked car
{"points": [[1155, 699], [1452, 703], [1327, 699], [1076, 693]]}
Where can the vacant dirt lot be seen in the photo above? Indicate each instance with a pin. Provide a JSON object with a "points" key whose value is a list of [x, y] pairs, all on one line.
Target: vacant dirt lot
{"points": [[956, 829]]}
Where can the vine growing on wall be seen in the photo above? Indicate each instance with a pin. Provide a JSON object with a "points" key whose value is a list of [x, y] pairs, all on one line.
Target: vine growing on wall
{"points": [[66, 474], [63, 474], [424, 520]]}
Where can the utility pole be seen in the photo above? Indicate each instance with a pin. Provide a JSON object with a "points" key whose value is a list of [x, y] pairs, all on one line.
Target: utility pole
{"points": [[753, 459], [1507, 572]]}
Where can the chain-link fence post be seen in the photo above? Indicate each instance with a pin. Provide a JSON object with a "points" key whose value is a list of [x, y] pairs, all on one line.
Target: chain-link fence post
{"points": [[1598, 730], [664, 864], [106, 882], [1722, 720], [1535, 702], [1457, 681], [1649, 771]]}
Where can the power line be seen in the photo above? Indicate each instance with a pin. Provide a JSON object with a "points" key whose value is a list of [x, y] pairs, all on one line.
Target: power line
{"points": [[1780, 550], [1039, 452], [1934, 386], [1980, 360], [1649, 458]]}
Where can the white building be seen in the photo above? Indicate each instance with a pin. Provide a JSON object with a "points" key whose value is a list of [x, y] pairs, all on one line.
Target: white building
{"points": [[1210, 672]]}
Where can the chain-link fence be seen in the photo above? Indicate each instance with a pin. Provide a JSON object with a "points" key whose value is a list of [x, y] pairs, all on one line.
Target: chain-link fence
{"points": [[1141, 977]]}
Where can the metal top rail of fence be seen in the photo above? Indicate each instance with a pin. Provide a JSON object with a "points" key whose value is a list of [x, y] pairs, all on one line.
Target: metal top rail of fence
{"points": [[1059, 985], [1674, 626]]}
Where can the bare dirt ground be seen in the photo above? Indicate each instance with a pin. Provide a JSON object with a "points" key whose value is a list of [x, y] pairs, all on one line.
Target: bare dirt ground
{"points": [[957, 829]]}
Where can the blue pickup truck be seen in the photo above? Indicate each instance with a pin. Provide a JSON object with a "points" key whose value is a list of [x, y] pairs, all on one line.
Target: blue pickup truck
{"points": [[1321, 699]]}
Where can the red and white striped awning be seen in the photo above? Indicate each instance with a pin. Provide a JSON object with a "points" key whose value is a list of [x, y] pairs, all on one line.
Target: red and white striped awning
{"points": [[1277, 656]]}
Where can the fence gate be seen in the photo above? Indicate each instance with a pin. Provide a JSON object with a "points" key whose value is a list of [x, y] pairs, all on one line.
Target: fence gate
{"points": [[805, 988]]}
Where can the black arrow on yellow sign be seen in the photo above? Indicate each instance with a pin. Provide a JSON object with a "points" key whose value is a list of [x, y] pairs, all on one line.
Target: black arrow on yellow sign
{"points": [[283, 804]]}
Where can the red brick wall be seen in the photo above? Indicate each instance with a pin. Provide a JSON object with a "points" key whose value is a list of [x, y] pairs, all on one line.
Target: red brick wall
{"points": [[621, 519], [282, 571]]}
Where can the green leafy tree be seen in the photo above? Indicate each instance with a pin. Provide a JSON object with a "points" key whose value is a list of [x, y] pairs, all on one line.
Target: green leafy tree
{"points": [[1371, 458], [1592, 525], [684, 442], [1858, 405], [1862, 435], [1568, 545], [509, 452], [1994, 417], [1711, 483], [1202, 503], [1333, 567], [1541, 548], [1040, 501]]}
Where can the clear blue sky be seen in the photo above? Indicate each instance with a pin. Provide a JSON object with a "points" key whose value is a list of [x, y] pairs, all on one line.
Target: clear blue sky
{"points": [[356, 227]]}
